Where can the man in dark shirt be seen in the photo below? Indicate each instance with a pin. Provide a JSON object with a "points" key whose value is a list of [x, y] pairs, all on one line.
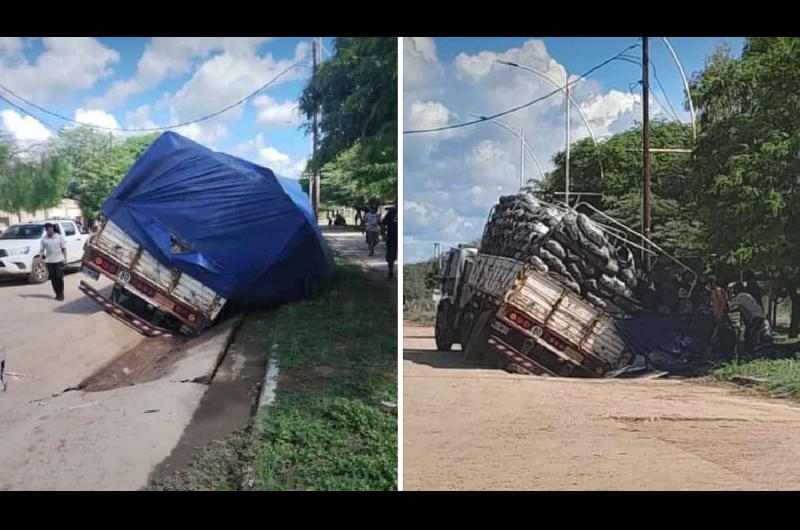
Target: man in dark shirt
{"points": [[389, 225], [752, 287]]}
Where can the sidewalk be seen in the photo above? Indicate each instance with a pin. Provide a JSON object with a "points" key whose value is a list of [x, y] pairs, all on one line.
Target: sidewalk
{"points": [[349, 243]]}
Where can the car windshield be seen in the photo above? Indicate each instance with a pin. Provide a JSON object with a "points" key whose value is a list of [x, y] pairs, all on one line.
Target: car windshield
{"points": [[23, 232]]}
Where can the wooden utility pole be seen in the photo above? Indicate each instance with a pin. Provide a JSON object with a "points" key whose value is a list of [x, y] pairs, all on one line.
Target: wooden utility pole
{"points": [[313, 188], [646, 150]]}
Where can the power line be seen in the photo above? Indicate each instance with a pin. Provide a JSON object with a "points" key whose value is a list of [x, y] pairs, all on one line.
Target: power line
{"points": [[525, 105], [151, 129], [658, 82], [27, 112]]}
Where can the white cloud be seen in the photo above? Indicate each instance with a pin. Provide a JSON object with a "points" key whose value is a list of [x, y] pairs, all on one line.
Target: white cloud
{"points": [[96, 117], [139, 118], [207, 132], [67, 65], [270, 112], [166, 57], [226, 78], [452, 178], [10, 49], [255, 150], [25, 130]]}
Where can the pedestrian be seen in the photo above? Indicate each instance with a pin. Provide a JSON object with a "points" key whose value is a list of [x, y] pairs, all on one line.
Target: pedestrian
{"points": [[751, 313], [389, 225], [358, 220], [54, 251], [372, 225], [330, 218], [752, 287], [719, 309]]}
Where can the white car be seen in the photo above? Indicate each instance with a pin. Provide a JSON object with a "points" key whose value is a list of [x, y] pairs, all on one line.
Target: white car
{"points": [[20, 244]]}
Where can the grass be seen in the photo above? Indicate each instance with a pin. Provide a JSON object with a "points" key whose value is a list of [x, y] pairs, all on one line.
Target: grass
{"points": [[418, 282], [781, 376], [327, 428]]}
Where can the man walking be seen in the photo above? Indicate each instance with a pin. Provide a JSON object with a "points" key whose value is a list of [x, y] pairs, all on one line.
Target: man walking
{"points": [[389, 225], [372, 224], [54, 251]]}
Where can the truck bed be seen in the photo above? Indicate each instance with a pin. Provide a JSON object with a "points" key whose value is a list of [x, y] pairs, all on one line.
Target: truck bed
{"points": [[111, 242], [555, 311]]}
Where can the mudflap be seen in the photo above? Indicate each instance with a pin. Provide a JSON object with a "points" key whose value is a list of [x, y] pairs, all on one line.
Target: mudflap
{"points": [[125, 316]]}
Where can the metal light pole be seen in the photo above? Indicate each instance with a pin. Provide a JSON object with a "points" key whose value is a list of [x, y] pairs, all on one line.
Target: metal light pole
{"points": [[646, 149], [566, 167], [523, 143]]}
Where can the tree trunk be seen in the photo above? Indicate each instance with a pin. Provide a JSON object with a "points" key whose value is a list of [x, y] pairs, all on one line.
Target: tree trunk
{"points": [[794, 323], [19, 216]]}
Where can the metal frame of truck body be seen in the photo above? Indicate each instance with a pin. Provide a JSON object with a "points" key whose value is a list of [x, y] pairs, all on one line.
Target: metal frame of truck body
{"points": [[548, 314], [141, 275]]}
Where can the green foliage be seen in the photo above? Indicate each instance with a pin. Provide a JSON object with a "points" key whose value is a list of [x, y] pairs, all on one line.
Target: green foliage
{"points": [[419, 280], [747, 154], [98, 174], [327, 428], [356, 92], [621, 157], [76, 147], [781, 377], [31, 185]]}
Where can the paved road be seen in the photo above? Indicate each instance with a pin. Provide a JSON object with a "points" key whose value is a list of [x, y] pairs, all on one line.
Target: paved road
{"points": [[83, 440], [349, 243], [473, 428]]}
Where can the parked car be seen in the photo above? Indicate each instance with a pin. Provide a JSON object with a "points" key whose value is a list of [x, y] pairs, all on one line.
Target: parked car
{"points": [[20, 245]]}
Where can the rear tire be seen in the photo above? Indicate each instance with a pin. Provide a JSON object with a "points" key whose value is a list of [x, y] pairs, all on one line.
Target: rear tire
{"points": [[39, 272], [444, 340]]}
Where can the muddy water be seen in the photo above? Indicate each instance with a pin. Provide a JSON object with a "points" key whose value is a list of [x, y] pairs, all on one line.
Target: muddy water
{"points": [[232, 396]]}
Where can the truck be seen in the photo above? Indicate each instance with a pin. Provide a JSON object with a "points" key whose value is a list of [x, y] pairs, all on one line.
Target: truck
{"points": [[190, 233], [504, 311], [20, 245]]}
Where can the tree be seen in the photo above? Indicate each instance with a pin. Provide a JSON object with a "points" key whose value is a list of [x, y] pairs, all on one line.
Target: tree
{"points": [[102, 172], [31, 185], [356, 92], [746, 160], [76, 147], [675, 225]]}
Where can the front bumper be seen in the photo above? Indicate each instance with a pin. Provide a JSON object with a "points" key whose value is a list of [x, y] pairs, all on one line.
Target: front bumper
{"points": [[15, 265]]}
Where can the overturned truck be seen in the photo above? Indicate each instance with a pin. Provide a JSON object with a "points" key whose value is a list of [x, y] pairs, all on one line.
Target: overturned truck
{"points": [[551, 291], [190, 233]]}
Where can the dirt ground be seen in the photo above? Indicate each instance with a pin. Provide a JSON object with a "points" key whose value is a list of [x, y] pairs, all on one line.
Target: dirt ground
{"points": [[472, 428]]}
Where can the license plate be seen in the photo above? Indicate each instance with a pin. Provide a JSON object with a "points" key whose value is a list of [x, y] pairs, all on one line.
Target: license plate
{"points": [[499, 326], [90, 272]]}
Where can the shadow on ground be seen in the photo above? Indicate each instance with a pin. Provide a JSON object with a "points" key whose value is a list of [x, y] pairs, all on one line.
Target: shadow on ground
{"points": [[441, 359]]}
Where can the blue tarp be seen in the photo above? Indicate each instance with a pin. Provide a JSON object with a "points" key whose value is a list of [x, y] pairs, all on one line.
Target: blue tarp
{"points": [[668, 335], [231, 224]]}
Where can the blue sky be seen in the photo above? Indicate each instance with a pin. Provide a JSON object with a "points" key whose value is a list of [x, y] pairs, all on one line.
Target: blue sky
{"points": [[144, 82], [451, 179]]}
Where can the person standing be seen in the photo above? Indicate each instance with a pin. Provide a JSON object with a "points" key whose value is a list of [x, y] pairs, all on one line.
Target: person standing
{"points": [[372, 226], [54, 251], [719, 308], [389, 225], [752, 315]]}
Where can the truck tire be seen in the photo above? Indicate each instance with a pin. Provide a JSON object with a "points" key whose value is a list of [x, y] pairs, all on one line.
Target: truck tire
{"points": [[444, 339], [39, 272], [476, 344]]}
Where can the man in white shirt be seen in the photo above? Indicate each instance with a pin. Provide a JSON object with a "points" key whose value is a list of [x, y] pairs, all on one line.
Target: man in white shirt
{"points": [[752, 315], [372, 223], [54, 251]]}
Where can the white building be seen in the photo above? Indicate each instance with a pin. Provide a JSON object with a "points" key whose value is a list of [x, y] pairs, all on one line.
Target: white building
{"points": [[68, 208]]}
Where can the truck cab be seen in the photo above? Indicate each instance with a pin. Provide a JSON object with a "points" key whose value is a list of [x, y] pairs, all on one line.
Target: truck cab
{"points": [[452, 295]]}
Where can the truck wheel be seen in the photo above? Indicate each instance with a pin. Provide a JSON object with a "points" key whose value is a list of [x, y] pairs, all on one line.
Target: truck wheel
{"points": [[444, 342], [476, 344], [39, 273]]}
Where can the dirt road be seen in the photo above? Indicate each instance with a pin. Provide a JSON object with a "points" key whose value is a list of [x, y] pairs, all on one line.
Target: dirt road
{"points": [[473, 428], [86, 440]]}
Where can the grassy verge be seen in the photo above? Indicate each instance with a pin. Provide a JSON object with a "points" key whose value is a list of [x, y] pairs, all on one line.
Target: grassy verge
{"points": [[776, 378], [420, 312], [329, 427]]}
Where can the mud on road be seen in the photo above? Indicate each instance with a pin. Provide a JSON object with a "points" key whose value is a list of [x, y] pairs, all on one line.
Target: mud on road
{"points": [[468, 427]]}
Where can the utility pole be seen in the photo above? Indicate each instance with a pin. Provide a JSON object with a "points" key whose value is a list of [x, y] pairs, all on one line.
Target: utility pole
{"points": [[566, 165], [313, 188], [646, 150]]}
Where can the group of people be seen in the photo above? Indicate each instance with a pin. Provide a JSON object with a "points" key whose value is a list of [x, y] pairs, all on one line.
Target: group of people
{"points": [[746, 299], [336, 219]]}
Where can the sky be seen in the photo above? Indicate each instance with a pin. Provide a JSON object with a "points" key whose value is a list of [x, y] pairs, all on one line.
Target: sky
{"points": [[125, 82], [452, 178]]}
